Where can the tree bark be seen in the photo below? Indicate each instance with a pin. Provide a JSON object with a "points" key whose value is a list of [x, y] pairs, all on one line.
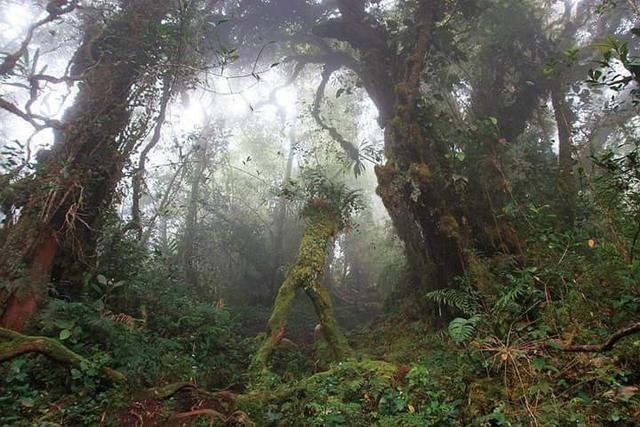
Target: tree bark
{"points": [[424, 209], [281, 215], [608, 345], [432, 218], [59, 224], [430, 231], [189, 252], [564, 121]]}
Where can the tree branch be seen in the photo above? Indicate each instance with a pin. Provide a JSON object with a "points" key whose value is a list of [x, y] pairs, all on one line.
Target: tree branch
{"points": [[138, 176], [608, 345], [10, 61], [301, 61], [32, 119], [14, 344], [351, 150]]}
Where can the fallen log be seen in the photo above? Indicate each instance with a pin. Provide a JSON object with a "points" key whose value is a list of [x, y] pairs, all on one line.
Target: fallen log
{"points": [[169, 390]]}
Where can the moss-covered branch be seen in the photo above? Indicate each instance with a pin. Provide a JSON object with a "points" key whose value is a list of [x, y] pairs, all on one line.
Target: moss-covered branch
{"points": [[14, 344], [169, 390]]}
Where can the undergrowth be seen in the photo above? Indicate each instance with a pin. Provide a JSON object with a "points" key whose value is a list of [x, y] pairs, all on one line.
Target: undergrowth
{"points": [[499, 360]]}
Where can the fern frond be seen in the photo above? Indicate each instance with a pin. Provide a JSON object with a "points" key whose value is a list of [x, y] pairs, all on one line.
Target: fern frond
{"points": [[463, 300], [461, 329], [519, 290]]}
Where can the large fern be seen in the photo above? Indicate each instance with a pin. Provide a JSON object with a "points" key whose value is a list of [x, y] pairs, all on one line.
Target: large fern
{"points": [[465, 300], [511, 296]]}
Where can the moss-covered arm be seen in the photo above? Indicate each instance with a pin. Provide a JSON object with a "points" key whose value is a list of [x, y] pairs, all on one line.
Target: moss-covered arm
{"points": [[14, 344]]}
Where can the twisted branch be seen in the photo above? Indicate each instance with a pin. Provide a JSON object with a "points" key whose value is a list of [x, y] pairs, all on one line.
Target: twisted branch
{"points": [[608, 345], [10, 61], [32, 119]]}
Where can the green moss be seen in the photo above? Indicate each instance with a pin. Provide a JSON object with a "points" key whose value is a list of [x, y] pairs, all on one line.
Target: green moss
{"points": [[337, 342], [15, 344], [449, 225], [482, 278], [358, 393], [401, 89]]}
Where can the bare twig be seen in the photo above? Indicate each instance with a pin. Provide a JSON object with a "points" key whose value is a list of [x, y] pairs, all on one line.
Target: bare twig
{"points": [[10, 61], [32, 119]]}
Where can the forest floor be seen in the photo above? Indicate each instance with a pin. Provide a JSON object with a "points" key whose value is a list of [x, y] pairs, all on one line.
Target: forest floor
{"points": [[398, 375]]}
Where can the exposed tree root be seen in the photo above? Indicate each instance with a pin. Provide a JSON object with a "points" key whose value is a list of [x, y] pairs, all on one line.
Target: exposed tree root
{"points": [[595, 348], [169, 390], [224, 402], [14, 344]]}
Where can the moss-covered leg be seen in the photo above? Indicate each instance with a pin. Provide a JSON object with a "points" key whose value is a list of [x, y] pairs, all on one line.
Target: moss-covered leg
{"points": [[319, 232], [278, 320], [322, 304]]}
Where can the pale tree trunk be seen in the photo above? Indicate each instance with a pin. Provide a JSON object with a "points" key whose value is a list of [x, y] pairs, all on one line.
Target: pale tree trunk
{"points": [[281, 215], [174, 182], [189, 244], [564, 120]]}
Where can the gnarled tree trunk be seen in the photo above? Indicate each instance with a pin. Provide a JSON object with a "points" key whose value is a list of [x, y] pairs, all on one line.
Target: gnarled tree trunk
{"points": [[75, 183], [306, 274], [417, 183]]}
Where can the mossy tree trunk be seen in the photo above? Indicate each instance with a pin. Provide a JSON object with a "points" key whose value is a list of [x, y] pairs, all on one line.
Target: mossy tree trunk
{"points": [[439, 226], [76, 181], [413, 183], [306, 274]]}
